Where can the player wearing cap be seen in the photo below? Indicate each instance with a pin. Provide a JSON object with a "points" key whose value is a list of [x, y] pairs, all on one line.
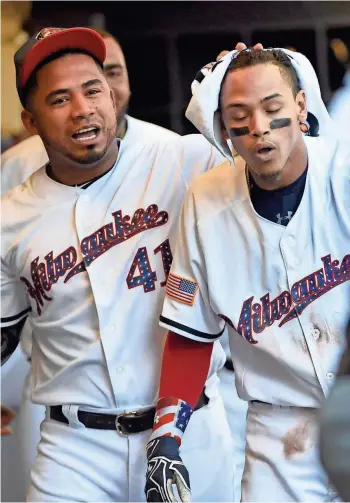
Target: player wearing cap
{"points": [[17, 164], [262, 249], [86, 249], [20, 161]]}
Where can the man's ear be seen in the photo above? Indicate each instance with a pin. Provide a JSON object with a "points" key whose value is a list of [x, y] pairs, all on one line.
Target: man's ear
{"points": [[300, 101], [29, 122]]}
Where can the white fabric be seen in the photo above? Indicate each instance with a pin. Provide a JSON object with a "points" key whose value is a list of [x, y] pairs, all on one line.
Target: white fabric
{"points": [[21, 161], [14, 484], [69, 461], [236, 410], [339, 109], [203, 111], [30, 417], [253, 273], [282, 462], [100, 369]]}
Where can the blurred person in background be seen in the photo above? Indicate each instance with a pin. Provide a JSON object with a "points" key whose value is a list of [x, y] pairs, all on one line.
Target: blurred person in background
{"points": [[13, 16], [339, 105], [335, 428]]}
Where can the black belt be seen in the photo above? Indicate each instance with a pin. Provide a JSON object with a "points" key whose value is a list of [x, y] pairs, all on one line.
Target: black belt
{"points": [[126, 424], [229, 365]]}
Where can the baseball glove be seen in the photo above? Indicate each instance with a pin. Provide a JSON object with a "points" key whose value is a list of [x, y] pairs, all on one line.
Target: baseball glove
{"points": [[165, 468]]}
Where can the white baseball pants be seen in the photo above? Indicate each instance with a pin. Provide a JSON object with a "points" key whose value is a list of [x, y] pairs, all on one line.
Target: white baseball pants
{"points": [[75, 463], [282, 456], [236, 410]]}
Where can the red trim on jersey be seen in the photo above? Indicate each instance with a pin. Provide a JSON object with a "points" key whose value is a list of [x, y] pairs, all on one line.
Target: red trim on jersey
{"points": [[185, 368]]}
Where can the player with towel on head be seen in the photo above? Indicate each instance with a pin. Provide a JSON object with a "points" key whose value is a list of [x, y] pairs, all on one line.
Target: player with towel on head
{"points": [[262, 249]]}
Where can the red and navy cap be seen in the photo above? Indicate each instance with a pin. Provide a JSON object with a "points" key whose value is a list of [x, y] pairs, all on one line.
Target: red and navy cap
{"points": [[49, 41]]}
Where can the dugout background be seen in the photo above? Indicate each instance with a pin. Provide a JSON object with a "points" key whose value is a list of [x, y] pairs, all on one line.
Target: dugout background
{"points": [[165, 42]]}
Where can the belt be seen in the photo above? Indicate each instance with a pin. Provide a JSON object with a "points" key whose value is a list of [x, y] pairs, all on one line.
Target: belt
{"points": [[127, 423], [229, 365]]}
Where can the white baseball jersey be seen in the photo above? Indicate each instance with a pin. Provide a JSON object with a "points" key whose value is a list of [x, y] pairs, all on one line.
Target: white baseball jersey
{"points": [[90, 267], [284, 292], [21, 161]]}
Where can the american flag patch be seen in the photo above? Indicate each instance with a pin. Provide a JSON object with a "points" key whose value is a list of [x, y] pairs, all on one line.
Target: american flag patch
{"points": [[181, 289]]}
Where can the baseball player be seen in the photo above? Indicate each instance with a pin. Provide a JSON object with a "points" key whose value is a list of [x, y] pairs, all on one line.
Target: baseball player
{"points": [[262, 249], [86, 251], [17, 164], [20, 161]]}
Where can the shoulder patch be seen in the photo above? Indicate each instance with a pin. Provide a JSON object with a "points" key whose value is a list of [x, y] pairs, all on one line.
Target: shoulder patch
{"points": [[181, 289]]}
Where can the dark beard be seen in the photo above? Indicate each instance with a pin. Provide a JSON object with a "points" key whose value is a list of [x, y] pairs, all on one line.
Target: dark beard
{"points": [[273, 175], [91, 157]]}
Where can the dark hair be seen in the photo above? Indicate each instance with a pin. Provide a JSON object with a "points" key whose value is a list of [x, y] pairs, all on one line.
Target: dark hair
{"points": [[104, 33], [32, 81], [275, 57]]}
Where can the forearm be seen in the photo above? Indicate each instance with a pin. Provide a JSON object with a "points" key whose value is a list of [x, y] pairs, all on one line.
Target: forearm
{"points": [[185, 368]]}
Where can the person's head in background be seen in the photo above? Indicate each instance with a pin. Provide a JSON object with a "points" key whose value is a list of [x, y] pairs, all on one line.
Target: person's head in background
{"points": [[341, 52], [116, 73], [261, 107]]}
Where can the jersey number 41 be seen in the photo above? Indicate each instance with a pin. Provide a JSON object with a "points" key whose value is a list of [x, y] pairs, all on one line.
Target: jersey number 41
{"points": [[144, 276]]}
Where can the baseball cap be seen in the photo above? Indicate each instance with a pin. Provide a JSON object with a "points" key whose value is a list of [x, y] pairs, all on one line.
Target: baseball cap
{"points": [[49, 41]]}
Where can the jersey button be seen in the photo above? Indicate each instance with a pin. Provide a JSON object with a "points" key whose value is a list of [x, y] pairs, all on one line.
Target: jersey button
{"points": [[120, 370], [330, 375], [315, 333]]}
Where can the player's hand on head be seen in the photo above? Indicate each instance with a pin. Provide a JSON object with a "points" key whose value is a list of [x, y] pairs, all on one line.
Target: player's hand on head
{"points": [[165, 470], [240, 46], [7, 416]]}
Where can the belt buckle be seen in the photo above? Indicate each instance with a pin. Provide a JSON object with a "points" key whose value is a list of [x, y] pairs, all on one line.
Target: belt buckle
{"points": [[119, 426]]}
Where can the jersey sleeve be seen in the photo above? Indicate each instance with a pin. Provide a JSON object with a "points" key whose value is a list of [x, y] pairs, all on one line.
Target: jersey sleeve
{"points": [[14, 299], [198, 156], [187, 309]]}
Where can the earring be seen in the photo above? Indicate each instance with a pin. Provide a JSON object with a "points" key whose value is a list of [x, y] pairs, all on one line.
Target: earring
{"points": [[304, 127]]}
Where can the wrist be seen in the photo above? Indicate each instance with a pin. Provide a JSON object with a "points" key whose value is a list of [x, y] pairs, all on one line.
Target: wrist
{"points": [[171, 419]]}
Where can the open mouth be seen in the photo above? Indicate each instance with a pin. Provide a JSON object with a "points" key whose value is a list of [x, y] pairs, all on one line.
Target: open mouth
{"points": [[265, 150], [86, 134]]}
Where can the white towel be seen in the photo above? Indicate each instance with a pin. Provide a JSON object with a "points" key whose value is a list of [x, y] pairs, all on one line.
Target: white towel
{"points": [[202, 110]]}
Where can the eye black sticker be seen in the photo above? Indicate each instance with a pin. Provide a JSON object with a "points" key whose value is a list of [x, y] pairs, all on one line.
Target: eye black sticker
{"points": [[280, 123], [239, 131]]}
